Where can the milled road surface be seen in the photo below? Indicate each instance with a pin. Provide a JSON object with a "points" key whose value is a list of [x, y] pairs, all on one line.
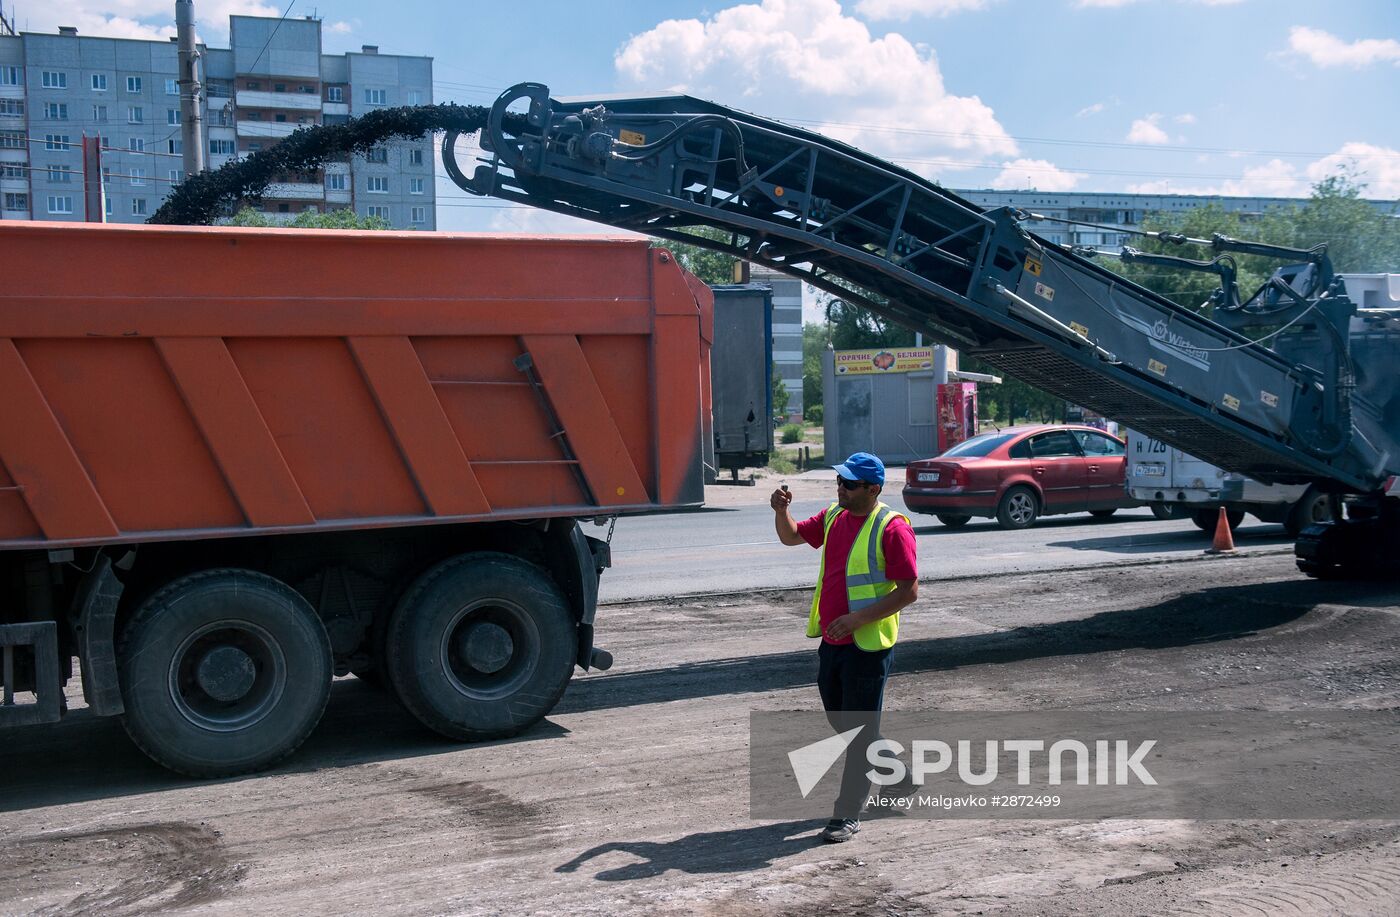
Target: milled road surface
{"points": [[632, 797]]}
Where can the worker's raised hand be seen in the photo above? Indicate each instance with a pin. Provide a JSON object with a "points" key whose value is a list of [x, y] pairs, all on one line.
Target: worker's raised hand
{"points": [[780, 499]]}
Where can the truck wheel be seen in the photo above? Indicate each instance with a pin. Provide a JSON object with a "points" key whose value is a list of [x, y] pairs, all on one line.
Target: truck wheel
{"points": [[481, 646], [1167, 511], [954, 522], [1102, 513], [1018, 508], [1207, 519], [223, 672], [1315, 507]]}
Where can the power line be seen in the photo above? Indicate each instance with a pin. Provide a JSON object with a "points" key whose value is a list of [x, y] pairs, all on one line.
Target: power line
{"points": [[272, 35]]}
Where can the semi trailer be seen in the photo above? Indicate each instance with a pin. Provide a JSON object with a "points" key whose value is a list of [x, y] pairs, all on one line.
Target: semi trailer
{"points": [[236, 463]]}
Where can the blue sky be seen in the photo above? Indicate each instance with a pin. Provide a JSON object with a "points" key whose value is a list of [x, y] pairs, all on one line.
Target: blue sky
{"points": [[1244, 97]]}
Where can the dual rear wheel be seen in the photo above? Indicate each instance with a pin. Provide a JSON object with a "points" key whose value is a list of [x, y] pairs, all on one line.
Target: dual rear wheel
{"points": [[228, 671]]}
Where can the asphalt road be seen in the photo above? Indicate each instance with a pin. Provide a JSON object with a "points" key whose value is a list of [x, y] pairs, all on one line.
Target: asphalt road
{"points": [[733, 548]]}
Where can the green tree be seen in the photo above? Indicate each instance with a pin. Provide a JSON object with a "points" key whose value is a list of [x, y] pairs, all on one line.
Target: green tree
{"points": [[856, 328], [334, 219], [710, 266], [815, 338], [779, 391], [1359, 239]]}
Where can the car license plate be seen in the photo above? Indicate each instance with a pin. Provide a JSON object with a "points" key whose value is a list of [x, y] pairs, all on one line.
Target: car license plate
{"points": [[928, 476], [1149, 471]]}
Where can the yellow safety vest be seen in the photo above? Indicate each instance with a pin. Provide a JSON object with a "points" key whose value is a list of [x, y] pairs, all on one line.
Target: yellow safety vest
{"points": [[865, 578]]}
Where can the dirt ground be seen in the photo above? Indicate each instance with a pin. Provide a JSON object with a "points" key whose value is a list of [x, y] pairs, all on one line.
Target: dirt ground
{"points": [[632, 797]]}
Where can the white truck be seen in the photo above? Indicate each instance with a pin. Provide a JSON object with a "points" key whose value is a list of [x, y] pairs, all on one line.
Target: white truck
{"points": [[1178, 485]]}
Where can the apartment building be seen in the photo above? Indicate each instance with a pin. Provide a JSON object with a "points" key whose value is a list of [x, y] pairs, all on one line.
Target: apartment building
{"points": [[55, 89], [787, 334], [1119, 212]]}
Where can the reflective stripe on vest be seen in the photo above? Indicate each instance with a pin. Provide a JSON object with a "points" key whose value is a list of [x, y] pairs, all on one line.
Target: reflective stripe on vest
{"points": [[865, 578]]}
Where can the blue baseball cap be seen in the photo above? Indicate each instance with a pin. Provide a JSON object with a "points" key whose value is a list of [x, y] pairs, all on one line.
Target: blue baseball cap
{"points": [[862, 466]]}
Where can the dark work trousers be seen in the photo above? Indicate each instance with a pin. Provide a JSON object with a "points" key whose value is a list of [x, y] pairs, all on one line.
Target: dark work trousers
{"points": [[852, 685]]}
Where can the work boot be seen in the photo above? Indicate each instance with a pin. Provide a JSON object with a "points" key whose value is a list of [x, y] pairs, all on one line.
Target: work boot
{"points": [[840, 830]]}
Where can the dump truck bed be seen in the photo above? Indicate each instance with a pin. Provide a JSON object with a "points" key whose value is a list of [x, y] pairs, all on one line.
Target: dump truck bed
{"points": [[167, 383]]}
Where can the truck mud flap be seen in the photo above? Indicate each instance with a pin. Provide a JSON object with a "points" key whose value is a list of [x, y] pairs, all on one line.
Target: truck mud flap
{"points": [[41, 638], [95, 613]]}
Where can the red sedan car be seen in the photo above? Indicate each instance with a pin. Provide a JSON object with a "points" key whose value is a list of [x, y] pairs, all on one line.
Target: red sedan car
{"points": [[1020, 474]]}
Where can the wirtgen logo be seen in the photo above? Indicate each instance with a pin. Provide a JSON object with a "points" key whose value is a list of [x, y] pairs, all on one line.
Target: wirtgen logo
{"points": [[1102, 762]]}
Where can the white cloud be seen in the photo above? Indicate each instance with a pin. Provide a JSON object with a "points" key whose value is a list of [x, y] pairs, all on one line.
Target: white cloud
{"points": [[144, 19], [341, 28], [1089, 110], [1185, 118], [804, 60], [1146, 130], [1376, 167], [1327, 50], [1039, 174], [906, 9]]}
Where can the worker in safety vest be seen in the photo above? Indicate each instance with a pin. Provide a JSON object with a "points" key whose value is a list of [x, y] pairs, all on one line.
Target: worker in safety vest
{"points": [[869, 572]]}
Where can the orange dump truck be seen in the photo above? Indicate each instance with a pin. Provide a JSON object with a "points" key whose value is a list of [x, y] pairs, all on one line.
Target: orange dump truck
{"points": [[235, 463]]}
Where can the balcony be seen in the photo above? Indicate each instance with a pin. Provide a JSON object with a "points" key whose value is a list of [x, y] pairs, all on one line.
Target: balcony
{"points": [[336, 108], [294, 191], [267, 129], [287, 101]]}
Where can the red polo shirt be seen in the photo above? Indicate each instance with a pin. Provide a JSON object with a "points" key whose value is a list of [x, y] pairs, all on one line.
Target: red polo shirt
{"points": [[901, 559]]}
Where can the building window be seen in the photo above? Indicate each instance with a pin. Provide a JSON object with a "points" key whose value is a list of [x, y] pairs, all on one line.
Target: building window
{"points": [[10, 140], [254, 116], [172, 116], [56, 142], [176, 176], [415, 186], [133, 84], [284, 208], [99, 112], [377, 211], [54, 79], [136, 145], [11, 170], [415, 157], [419, 215], [138, 177], [60, 203], [172, 87], [253, 85], [107, 205], [218, 89], [14, 201], [377, 184], [376, 97], [135, 114], [11, 108], [56, 111], [221, 147], [335, 181], [415, 97], [280, 118], [254, 147], [99, 82], [138, 206], [175, 147], [11, 76], [335, 94], [378, 154], [106, 175], [59, 174]]}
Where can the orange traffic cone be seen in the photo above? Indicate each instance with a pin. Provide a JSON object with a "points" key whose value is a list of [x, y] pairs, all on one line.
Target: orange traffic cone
{"points": [[1224, 540]]}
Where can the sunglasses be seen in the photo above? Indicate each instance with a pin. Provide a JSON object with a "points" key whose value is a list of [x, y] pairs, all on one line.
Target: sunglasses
{"points": [[848, 484]]}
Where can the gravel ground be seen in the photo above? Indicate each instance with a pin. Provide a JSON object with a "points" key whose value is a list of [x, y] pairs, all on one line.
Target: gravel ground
{"points": [[632, 797]]}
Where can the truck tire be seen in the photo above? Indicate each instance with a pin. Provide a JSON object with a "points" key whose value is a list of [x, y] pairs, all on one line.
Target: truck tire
{"points": [[481, 646], [1316, 506], [954, 522], [1207, 519], [223, 672], [1167, 510], [1018, 508], [1102, 513]]}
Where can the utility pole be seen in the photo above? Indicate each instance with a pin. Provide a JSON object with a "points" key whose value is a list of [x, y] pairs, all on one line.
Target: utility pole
{"points": [[190, 89]]}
